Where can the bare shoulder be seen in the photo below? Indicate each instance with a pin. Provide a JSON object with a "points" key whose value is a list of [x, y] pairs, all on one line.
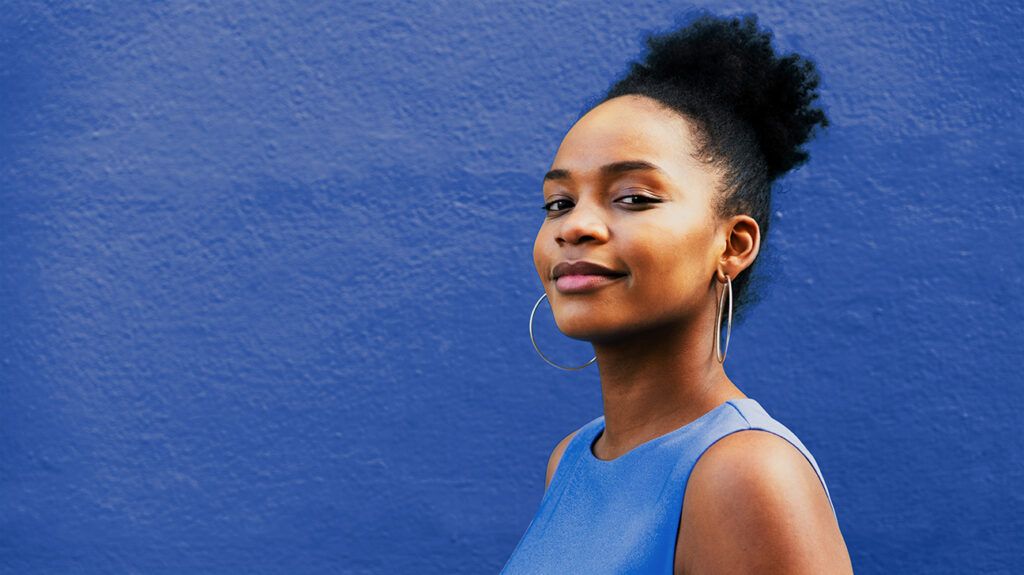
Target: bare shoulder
{"points": [[556, 456], [754, 504]]}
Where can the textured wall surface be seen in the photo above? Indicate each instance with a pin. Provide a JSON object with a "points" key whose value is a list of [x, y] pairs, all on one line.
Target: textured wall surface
{"points": [[265, 276]]}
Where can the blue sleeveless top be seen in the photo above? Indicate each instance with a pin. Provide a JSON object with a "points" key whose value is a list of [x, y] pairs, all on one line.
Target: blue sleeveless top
{"points": [[622, 515]]}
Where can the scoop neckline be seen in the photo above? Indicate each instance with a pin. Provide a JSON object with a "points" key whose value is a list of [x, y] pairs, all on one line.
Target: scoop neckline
{"points": [[599, 428]]}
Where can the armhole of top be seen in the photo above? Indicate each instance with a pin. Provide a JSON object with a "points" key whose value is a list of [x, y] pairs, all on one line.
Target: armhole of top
{"points": [[567, 453]]}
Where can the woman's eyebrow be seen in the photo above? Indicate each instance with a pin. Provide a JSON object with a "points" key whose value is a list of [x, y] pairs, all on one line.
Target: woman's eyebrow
{"points": [[612, 169]]}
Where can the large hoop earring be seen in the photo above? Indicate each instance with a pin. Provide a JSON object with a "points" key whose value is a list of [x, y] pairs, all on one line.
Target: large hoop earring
{"points": [[718, 324], [544, 357]]}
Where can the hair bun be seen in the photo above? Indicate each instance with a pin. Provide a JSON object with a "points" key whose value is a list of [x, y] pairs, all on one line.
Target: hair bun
{"points": [[729, 65]]}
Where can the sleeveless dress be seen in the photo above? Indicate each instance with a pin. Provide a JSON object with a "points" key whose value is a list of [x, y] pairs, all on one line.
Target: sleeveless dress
{"points": [[622, 516]]}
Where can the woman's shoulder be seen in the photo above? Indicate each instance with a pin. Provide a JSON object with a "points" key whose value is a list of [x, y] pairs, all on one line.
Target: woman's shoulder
{"points": [[752, 489]]}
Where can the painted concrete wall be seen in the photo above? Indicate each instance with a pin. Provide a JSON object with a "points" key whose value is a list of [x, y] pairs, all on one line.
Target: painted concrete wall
{"points": [[265, 276]]}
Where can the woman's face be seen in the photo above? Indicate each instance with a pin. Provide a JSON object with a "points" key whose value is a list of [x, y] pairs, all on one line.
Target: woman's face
{"points": [[667, 241]]}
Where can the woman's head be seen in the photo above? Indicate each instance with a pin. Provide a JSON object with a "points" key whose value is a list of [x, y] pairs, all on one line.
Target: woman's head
{"points": [[700, 130]]}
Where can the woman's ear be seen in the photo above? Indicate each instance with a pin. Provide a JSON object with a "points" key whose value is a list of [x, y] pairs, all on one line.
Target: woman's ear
{"points": [[742, 243]]}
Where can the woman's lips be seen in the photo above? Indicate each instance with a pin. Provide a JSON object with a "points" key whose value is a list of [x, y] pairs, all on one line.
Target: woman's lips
{"points": [[583, 283]]}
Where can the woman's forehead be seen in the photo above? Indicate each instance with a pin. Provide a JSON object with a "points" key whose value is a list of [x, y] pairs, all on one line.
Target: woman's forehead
{"points": [[627, 129]]}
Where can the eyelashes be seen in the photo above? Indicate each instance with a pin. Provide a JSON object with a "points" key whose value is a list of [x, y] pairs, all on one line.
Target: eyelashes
{"points": [[645, 200]]}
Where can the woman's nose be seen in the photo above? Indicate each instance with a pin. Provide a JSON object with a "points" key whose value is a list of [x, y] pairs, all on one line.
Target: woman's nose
{"points": [[583, 222]]}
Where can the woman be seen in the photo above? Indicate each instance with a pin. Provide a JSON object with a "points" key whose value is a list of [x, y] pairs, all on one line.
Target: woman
{"points": [[657, 203]]}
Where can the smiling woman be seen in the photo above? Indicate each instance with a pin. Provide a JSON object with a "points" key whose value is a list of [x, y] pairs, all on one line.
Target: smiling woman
{"points": [[656, 197]]}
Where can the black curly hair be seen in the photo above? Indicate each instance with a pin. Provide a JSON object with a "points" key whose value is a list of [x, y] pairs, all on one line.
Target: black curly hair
{"points": [[751, 109]]}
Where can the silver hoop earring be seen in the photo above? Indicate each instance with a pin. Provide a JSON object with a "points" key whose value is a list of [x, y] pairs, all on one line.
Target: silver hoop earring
{"points": [[718, 325], [542, 296]]}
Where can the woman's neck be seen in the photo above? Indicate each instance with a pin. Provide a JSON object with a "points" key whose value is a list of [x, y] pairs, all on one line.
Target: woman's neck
{"points": [[657, 381]]}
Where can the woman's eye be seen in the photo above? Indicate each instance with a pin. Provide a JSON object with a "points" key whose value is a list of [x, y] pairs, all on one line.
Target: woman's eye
{"points": [[646, 200], [547, 206]]}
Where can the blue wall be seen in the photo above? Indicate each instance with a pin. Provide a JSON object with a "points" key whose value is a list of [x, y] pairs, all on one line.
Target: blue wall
{"points": [[265, 276]]}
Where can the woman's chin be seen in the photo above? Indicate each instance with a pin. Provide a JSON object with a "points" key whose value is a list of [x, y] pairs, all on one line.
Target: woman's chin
{"points": [[586, 328]]}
